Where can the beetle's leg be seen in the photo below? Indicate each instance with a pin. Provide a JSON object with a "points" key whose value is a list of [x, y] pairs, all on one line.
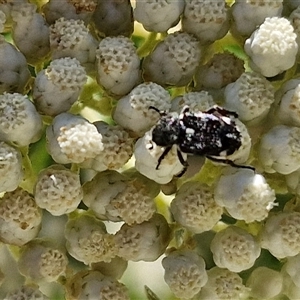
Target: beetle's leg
{"points": [[222, 111], [185, 109], [162, 113], [166, 151], [181, 159], [183, 162], [229, 162]]}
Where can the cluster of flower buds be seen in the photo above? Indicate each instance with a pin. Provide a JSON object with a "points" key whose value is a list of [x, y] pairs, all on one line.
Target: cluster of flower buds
{"points": [[165, 132]]}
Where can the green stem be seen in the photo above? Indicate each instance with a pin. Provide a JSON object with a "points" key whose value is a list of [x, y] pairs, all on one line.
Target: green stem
{"points": [[148, 45], [75, 168], [29, 175]]}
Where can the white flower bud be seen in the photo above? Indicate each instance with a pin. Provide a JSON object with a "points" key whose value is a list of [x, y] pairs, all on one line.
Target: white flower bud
{"points": [[58, 190], [291, 290], [146, 241], [14, 72], [147, 153], [20, 217], [281, 234], [294, 18], [196, 101], [41, 261], [26, 292], [88, 241], [158, 16], [262, 288], [293, 182], [291, 4], [69, 9], [250, 96], [133, 110], [58, 86], [115, 268], [185, 273], [71, 38], [20, 123], [279, 150], [30, 32], [207, 20], [248, 15], [223, 284], [11, 171], [2, 20], [245, 194], [72, 139], [288, 109], [194, 207], [272, 47], [117, 148], [90, 284], [113, 196], [291, 268], [117, 65], [113, 18], [219, 71], [101, 190], [173, 61], [235, 249]]}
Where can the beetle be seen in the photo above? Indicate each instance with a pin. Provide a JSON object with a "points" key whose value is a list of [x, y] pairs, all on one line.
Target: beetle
{"points": [[212, 133]]}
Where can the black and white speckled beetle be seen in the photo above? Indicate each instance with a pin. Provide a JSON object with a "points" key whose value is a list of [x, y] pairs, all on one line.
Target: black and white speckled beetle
{"points": [[212, 133]]}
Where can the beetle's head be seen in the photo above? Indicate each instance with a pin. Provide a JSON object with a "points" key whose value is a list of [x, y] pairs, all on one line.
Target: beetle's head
{"points": [[165, 133]]}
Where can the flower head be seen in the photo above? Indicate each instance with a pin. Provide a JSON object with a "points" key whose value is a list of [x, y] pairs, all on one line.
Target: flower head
{"points": [[58, 190], [113, 18], [272, 47], [173, 61], [288, 99], [249, 14], [11, 171], [96, 286], [245, 195], [158, 16], [71, 38], [113, 196], [20, 123], [69, 9], [26, 292], [117, 65], [40, 260], [20, 217], [72, 139], [185, 273], [146, 241], [207, 20], [271, 287], [194, 207], [281, 234], [133, 110], [279, 150], [14, 72], [58, 86], [88, 241], [219, 71], [30, 32], [223, 284], [251, 96], [235, 249]]}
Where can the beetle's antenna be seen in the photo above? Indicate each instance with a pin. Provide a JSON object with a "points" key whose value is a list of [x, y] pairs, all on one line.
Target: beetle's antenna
{"points": [[162, 113]]}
